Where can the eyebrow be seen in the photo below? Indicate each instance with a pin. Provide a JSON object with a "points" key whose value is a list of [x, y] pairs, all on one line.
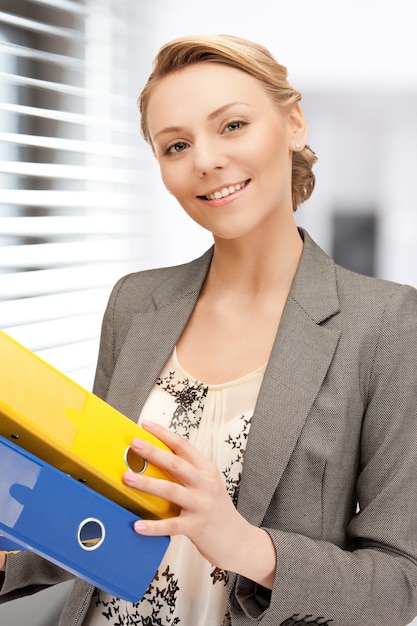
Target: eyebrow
{"points": [[211, 116]]}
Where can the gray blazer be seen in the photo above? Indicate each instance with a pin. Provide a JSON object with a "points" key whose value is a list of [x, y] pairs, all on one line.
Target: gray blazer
{"points": [[330, 467]]}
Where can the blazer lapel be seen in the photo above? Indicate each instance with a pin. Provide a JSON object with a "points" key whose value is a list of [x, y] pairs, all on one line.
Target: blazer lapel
{"points": [[301, 355], [153, 335]]}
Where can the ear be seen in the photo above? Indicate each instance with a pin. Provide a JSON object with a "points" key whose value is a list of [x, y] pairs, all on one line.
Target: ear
{"points": [[298, 128]]}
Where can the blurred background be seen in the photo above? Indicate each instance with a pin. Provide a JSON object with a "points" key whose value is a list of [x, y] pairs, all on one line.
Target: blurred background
{"points": [[80, 198]]}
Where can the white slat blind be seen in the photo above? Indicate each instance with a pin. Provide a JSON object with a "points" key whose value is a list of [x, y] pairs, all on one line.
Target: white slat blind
{"points": [[70, 171]]}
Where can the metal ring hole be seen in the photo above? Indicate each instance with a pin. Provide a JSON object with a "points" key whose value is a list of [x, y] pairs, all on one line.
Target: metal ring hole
{"points": [[91, 533], [134, 462]]}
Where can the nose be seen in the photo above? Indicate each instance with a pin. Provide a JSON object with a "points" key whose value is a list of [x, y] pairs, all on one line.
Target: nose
{"points": [[208, 156]]}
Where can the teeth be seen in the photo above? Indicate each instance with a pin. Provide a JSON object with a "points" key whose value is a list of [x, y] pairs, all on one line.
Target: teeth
{"points": [[226, 191]]}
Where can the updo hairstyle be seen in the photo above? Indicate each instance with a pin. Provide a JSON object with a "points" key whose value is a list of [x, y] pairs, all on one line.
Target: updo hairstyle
{"points": [[248, 57]]}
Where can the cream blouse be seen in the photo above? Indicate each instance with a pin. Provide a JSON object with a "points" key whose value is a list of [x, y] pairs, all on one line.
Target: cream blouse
{"points": [[186, 588]]}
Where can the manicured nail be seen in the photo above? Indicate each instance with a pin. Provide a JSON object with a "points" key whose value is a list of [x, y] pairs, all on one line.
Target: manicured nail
{"points": [[130, 477], [149, 425], [140, 526], [138, 444]]}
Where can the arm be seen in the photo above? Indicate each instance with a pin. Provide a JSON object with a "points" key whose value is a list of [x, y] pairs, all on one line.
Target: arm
{"points": [[26, 573], [107, 352]]}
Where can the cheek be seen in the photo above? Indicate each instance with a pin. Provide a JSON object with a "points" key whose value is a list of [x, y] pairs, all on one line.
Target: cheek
{"points": [[275, 149], [166, 179], [278, 164], [174, 179], [276, 142]]}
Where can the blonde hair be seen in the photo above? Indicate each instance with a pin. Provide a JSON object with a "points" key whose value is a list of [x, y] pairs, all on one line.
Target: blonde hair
{"points": [[248, 57]]}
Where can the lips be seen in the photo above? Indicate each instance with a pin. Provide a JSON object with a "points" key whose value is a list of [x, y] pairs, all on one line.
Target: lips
{"points": [[225, 191]]}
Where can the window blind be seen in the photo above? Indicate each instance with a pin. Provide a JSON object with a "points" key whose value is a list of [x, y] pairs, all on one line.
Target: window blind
{"points": [[71, 171]]}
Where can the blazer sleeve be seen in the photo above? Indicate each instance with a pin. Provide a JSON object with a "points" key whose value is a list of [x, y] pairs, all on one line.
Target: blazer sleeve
{"points": [[108, 343], [130, 294], [27, 573], [373, 583]]}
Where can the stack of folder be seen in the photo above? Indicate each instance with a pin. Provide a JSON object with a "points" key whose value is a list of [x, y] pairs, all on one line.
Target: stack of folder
{"points": [[63, 452]]}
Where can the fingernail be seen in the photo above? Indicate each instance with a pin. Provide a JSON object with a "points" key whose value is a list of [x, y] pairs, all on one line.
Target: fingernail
{"points": [[130, 477], [138, 444], [149, 425], [140, 526]]}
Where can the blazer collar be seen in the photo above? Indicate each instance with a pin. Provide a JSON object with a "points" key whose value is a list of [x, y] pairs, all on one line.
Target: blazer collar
{"points": [[185, 281], [314, 287]]}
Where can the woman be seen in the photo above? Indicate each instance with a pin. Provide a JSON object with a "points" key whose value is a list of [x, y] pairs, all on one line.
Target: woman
{"points": [[284, 384]]}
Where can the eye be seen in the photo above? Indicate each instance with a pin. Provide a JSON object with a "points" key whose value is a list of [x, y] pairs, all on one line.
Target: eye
{"points": [[177, 147], [233, 126]]}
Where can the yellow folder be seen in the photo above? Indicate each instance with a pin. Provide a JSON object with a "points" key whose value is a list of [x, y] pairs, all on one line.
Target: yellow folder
{"points": [[54, 418]]}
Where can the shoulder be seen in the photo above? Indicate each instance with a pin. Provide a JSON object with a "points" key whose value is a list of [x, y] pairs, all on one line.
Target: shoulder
{"points": [[353, 291], [138, 291], [374, 296], [378, 324], [334, 295]]}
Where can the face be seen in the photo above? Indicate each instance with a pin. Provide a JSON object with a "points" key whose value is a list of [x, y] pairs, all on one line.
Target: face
{"points": [[224, 148]]}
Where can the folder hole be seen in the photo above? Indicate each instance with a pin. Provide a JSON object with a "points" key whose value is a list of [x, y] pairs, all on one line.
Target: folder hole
{"points": [[91, 533], [14, 436], [134, 462]]}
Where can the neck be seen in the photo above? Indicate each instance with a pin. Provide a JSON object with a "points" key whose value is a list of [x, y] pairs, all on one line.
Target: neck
{"points": [[256, 265]]}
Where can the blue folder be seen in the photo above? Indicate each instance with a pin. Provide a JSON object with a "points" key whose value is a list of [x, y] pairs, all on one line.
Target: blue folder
{"points": [[44, 510], [7, 545]]}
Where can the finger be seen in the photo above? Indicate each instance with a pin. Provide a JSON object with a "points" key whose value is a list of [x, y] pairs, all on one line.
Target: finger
{"points": [[167, 461], [156, 528], [182, 470], [165, 489], [177, 444]]}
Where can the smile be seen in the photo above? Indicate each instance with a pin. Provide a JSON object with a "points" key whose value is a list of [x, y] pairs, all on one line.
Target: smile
{"points": [[226, 191]]}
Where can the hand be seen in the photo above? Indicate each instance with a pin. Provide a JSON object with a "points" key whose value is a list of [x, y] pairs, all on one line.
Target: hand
{"points": [[208, 516], [3, 561]]}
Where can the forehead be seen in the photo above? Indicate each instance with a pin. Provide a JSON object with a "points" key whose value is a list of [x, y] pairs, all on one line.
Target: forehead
{"points": [[200, 89]]}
